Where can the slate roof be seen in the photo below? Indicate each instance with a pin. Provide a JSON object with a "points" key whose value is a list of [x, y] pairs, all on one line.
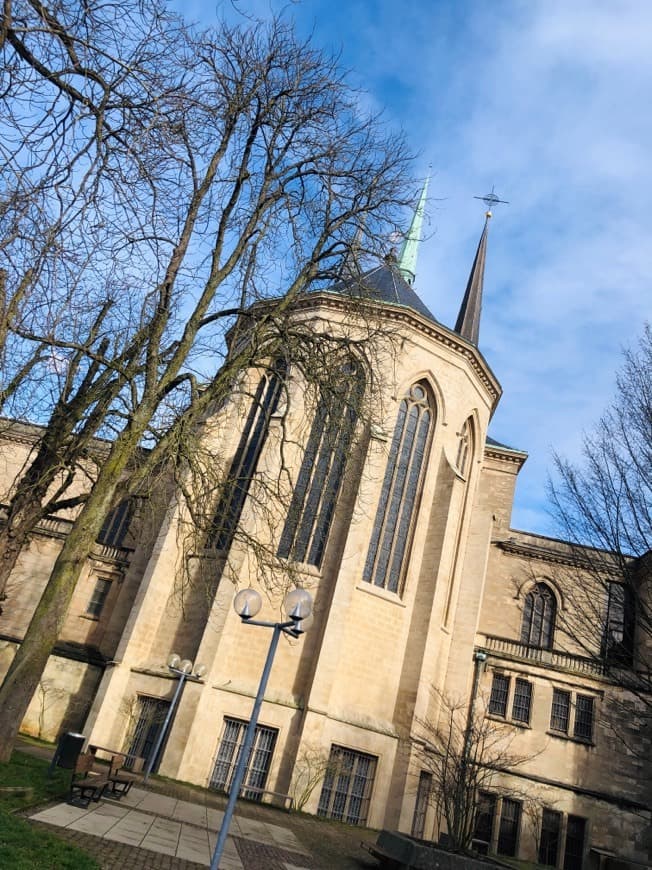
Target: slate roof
{"points": [[385, 284]]}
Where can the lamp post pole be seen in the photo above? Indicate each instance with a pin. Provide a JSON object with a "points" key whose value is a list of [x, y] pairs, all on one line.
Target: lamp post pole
{"points": [[184, 670], [247, 607]]}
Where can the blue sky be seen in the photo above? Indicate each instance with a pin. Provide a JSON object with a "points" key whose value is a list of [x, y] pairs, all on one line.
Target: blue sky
{"points": [[550, 102]]}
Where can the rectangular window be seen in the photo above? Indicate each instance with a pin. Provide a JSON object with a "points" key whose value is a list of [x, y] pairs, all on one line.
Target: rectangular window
{"points": [[522, 701], [510, 820], [549, 842], [98, 598], [560, 713], [346, 790], [583, 727], [151, 714], [484, 818], [499, 693], [258, 764], [618, 627], [574, 850], [116, 525]]}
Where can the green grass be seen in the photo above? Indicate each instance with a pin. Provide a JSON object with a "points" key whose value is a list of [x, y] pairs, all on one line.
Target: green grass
{"points": [[22, 846]]}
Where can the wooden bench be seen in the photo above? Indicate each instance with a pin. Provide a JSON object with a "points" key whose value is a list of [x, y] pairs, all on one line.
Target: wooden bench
{"points": [[85, 785], [120, 779]]}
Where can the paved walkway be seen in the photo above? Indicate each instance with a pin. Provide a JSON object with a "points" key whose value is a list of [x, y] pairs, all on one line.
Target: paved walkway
{"points": [[181, 829]]}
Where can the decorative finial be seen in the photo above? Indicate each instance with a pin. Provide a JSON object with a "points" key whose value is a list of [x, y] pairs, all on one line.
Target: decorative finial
{"points": [[490, 199]]}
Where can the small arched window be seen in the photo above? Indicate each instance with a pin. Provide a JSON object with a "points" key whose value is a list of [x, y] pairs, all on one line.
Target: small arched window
{"points": [[237, 482], [539, 611], [464, 449], [311, 510], [407, 458]]}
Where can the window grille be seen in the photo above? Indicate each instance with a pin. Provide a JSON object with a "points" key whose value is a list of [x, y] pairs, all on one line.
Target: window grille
{"points": [[560, 713], [539, 610], [510, 820], [549, 841], [522, 701], [151, 713], [116, 525], [421, 805], [499, 693], [320, 477], [407, 458], [236, 485], [583, 725], [574, 849], [98, 598], [346, 790], [258, 764]]}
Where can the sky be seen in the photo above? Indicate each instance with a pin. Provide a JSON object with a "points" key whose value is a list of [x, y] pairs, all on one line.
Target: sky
{"points": [[550, 102]]}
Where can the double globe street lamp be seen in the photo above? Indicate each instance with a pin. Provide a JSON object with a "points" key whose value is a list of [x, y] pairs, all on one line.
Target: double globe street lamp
{"points": [[247, 604], [183, 670]]}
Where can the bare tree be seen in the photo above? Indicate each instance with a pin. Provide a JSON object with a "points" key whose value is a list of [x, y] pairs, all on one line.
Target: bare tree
{"points": [[603, 506], [465, 754], [243, 182]]}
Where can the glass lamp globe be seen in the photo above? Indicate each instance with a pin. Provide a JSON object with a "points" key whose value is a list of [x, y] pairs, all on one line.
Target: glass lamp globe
{"points": [[200, 670], [174, 661], [298, 604], [185, 666], [247, 603]]}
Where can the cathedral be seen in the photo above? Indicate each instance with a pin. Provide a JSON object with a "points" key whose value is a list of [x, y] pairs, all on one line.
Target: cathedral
{"points": [[427, 603]]}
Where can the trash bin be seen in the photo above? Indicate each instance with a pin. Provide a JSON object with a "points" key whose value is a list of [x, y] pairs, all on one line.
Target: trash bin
{"points": [[68, 749]]}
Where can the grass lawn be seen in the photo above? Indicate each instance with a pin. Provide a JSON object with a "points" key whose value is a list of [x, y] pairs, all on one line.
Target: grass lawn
{"points": [[22, 846]]}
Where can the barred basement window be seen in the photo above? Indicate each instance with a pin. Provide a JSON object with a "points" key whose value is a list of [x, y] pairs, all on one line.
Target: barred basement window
{"points": [[320, 478], [228, 754], [346, 790], [510, 821], [98, 598], [499, 693], [560, 713], [549, 841], [398, 498], [522, 701], [236, 485], [583, 726], [539, 612]]}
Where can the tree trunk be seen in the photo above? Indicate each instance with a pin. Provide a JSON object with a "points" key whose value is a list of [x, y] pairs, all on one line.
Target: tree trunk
{"points": [[27, 668]]}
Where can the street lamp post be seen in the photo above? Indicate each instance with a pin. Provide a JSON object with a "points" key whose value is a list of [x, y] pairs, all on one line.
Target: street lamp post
{"points": [[247, 603], [183, 669]]}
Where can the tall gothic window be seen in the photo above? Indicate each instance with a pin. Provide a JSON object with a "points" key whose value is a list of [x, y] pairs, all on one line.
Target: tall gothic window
{"points": [[539, 612], [320, 477], [238, 480], [393, 525]]}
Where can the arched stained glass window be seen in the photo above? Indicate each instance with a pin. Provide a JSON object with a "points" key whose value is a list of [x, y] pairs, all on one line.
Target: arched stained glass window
{"points": [[393, 524], [539, 610], [238, 480], [309, 518]]}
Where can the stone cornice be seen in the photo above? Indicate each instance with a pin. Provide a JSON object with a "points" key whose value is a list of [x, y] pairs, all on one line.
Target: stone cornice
{"points": [[505, 455], [553, 553]]}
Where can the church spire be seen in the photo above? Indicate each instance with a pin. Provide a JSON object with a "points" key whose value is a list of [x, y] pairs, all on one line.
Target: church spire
{"points": [[468, 320], [407, 260]]}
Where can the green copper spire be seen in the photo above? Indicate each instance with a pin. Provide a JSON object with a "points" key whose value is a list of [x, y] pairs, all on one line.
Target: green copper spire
{"points": [[407, 261]]}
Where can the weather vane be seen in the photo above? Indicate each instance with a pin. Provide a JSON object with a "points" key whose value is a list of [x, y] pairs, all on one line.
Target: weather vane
{"points": [[490, 200]]}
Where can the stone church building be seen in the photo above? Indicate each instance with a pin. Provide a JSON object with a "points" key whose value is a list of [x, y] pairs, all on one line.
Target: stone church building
{"points": [[425, 599]]}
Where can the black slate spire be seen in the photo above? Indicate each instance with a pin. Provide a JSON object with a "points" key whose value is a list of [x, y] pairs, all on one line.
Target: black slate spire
{"points": [[468, 320]]}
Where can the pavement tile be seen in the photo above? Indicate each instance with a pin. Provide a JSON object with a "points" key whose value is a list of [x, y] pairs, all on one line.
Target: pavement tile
{"points": [[230, 859], [193, 814], [214, 818], [94, 823], [62, 815], [131, 829], [286, 838], [158, 804]]}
